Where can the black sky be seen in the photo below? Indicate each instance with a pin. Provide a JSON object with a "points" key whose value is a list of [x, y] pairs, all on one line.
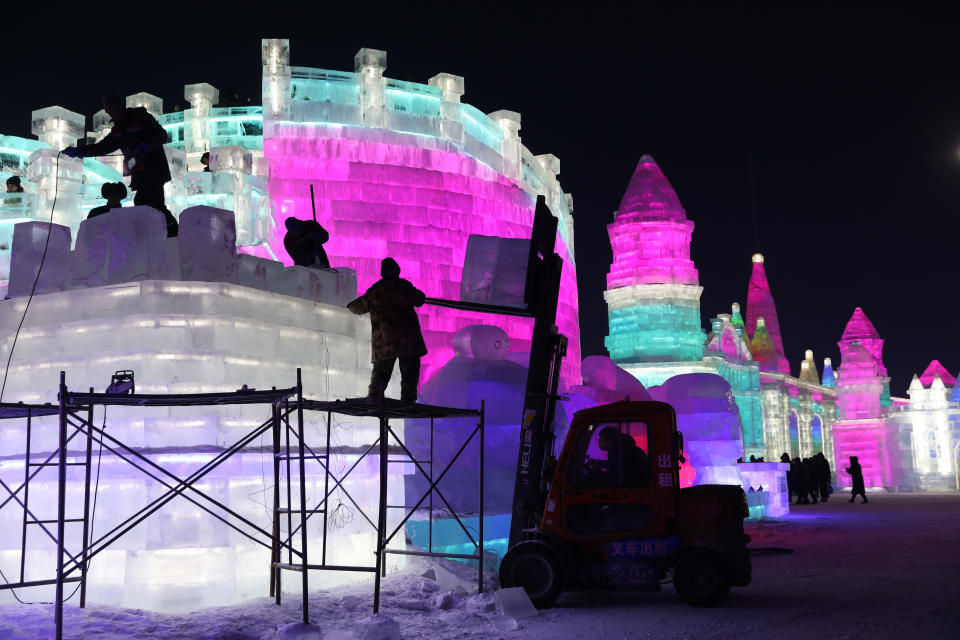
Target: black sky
{"points": [[826, 137]]}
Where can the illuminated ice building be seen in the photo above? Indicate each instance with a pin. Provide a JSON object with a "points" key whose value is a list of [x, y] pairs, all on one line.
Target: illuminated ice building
{"points": [[398, 169], [655, 333]]}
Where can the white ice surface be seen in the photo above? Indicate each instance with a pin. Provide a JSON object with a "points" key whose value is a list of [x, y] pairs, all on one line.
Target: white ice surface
{"points": [[882, 570]]}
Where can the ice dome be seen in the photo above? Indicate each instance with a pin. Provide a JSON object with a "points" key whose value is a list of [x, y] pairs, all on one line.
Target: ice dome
{"points": [[709, 420]]}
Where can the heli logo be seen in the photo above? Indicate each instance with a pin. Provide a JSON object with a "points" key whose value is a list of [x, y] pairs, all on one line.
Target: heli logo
{"points": [[526, 447]]}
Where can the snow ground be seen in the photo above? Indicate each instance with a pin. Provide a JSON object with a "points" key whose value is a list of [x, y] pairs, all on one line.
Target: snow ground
{"points": [[888, 569]]}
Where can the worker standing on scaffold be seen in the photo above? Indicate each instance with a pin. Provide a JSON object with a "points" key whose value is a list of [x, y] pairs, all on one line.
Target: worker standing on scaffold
{"points": [[396, 334], [141, 138]]}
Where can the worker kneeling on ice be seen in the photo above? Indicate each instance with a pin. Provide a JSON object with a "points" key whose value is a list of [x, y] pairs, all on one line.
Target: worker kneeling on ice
{"points": [[391, 303]]}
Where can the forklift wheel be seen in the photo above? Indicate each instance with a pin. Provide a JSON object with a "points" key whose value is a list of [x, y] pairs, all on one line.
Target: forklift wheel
{"points": [[700, 580], [535, 567]]}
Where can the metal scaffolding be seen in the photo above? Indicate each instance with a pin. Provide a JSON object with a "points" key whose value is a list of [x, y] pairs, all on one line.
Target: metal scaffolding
{"points": [[75, 413], [75, 425], [384, 410]]}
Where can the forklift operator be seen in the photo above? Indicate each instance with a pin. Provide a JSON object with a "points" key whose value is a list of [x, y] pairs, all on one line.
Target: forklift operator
{"points": [[627, 465]]}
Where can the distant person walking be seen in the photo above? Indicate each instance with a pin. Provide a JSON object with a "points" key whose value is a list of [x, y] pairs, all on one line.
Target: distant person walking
{"points": [[856, 477], [396, 334]]}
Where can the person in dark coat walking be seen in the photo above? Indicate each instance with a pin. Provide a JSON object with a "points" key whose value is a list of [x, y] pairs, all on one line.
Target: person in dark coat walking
{"points": [[796, 470], [396, 334], [141, 138], [304, 242], [856, 478], [824, 475]]}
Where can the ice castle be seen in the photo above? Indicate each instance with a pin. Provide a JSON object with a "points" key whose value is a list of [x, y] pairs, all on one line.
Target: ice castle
{"points": [[397, 168], [408, 170], [653, 296]]}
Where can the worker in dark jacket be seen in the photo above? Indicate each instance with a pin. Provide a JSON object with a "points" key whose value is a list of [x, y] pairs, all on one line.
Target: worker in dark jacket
{"points": [[395, 330], [304, 242], [856, 478], [141, 138], [113, 193]]}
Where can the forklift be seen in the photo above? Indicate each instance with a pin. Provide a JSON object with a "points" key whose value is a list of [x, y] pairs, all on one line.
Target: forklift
{"points": [[608, 512]]}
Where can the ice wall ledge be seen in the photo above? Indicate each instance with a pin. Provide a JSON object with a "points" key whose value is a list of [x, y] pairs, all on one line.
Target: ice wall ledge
{"points": [[130, 244]]}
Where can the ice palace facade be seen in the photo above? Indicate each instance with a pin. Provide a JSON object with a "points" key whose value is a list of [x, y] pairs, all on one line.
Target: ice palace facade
{"points": [[407, 170]]}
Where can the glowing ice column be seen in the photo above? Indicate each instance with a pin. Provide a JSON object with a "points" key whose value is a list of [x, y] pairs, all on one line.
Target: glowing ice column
{"points": [[369, 65], [151, 103], [829, 379], [653, 291], [59, 182], [451, 88], [760, 304], [510, 148], [101, 127], [196, 119], [275, 54]]}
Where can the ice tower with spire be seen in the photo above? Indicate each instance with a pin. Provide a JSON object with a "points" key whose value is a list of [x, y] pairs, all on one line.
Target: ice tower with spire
{"points": [[653, 289], [760, 304], [862, 399]]}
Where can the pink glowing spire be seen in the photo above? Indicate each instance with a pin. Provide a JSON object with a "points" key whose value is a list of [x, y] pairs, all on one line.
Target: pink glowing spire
{"points": [[859, 329], [760, 304], [649, 195], [936, 369], [650, 234]]}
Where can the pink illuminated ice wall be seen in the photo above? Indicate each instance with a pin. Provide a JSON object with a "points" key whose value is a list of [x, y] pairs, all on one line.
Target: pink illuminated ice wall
{"points": [[405, 170], [760, 304], [863, 429]]}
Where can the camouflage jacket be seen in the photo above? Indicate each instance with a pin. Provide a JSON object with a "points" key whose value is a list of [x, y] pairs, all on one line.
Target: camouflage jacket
{"points": [[394, 322]]}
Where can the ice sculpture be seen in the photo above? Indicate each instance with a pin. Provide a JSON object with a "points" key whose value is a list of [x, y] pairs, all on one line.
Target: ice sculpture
{"points": [[927, 426], [829, 379], [495, 270], [762, 346], [179, 336], [43, 248], [605, 382], [653, 291], [408, 170], [935, 369], [863, 429], [710, 422], [760, 304], [808, 368], [478, 372]]}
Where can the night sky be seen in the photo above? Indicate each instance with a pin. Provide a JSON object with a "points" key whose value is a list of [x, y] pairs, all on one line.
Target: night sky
{"points": [[827, 138]]}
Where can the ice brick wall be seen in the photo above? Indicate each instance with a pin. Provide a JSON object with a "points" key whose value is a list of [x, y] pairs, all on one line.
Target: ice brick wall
{"points": [[254, 328], [405, 170]]}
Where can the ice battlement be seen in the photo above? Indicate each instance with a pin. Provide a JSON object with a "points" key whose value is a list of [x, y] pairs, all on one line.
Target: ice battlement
{"points": [[306, 98], [130, 244]]}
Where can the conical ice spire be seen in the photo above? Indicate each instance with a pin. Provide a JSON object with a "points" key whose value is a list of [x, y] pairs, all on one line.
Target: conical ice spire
{"points": [[829, 379], [649, 195], [808, 368], [760, 304], [936, 369], [860, 330], [762, 347]]}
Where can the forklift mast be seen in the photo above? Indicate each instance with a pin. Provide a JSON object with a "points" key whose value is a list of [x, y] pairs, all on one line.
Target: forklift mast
{"points": [[547, 349]]}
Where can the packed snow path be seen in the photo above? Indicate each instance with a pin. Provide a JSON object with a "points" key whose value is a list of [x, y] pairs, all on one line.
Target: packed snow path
{"points": [[888, 569]]}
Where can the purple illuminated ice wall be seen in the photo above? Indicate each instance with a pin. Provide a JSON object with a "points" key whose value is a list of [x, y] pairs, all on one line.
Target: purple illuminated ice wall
{"points": [[406, 170]]}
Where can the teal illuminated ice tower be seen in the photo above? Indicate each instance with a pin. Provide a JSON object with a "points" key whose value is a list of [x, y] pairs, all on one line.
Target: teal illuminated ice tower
{"points": [[653, 291]]}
